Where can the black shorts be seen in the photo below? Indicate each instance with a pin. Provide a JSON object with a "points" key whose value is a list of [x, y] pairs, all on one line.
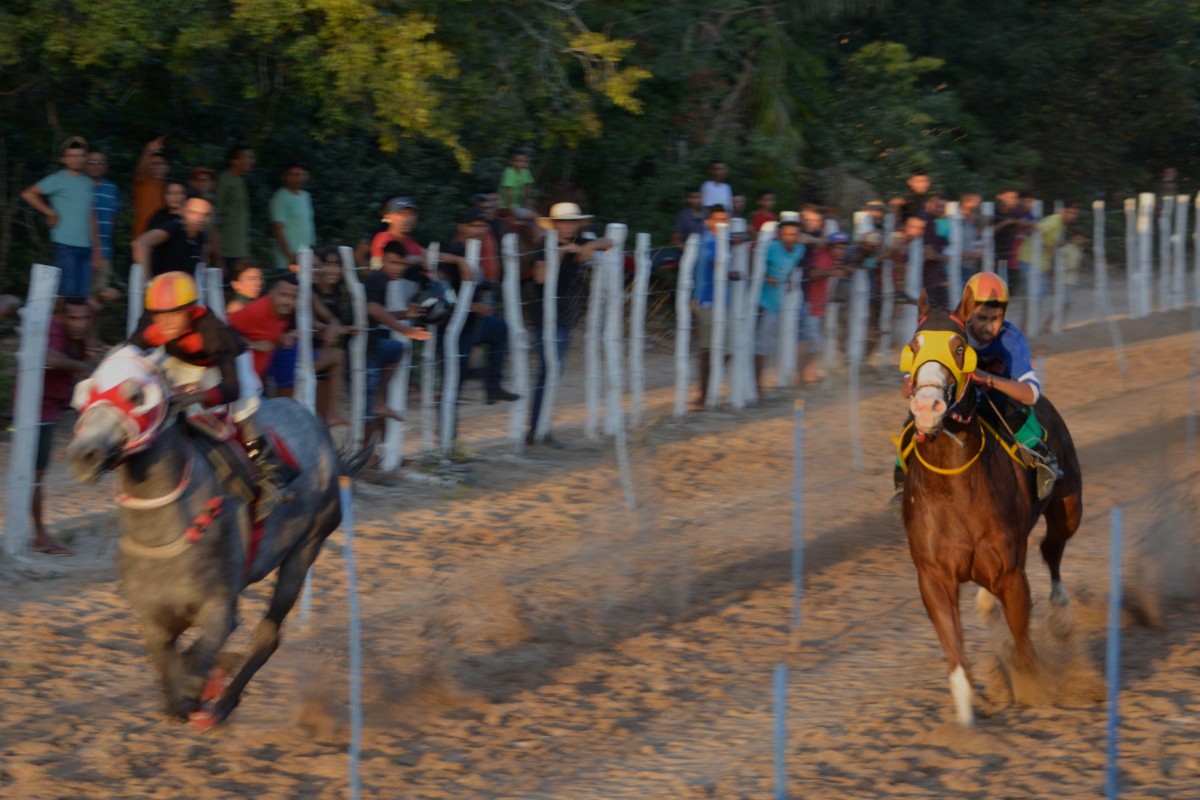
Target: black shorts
{"points": [[45, 442]]}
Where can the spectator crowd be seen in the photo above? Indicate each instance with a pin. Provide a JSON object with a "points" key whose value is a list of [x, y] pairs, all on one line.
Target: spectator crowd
{"points": [[178, 224]]}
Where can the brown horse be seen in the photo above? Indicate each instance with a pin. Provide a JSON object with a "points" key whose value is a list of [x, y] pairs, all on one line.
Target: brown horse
{"points": [[970, 503]]}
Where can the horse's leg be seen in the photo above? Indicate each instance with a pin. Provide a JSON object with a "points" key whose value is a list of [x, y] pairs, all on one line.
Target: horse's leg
{"points": [[266, 636], [1062, 520], [160, 645], [940, 595], [216, 620], [985, 604], [1012, 589]]}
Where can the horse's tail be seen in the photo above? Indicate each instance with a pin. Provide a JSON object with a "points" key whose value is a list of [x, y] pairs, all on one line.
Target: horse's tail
{"points": [[352, 461]]}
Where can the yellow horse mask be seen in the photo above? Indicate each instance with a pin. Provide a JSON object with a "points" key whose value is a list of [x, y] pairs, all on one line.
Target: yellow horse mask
{"points": [[946, 347]]}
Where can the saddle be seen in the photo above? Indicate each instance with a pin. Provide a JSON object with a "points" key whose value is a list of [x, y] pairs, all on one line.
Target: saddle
{"points": [[257, 470]]}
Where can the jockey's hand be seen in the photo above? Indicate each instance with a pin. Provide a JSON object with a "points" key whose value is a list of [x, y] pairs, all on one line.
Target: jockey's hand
{"points": [[985, 378]]}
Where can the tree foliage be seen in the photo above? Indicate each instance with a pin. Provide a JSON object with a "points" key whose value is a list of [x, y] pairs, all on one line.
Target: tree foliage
{"points": [[620, 102]]}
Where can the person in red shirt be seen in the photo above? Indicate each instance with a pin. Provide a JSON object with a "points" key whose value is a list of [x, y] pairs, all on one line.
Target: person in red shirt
{"points": [[765, 212], [400, 214], [268, 324], [66, 361]]}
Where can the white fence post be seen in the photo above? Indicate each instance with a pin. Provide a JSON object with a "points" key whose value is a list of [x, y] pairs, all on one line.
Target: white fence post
{"points": [[758, 276], [954, 268], [738, 341], [1033, 279], [549, 335], [613, 265], [913, 280], [789, 320], [358, 347], [717, 349], [31, 370], [1145, 260], [988, 209], [683, 321], [397, 389], [1099, 256], [637, 328], [597, 295], [429, 349], [518, 341], [1165, 218], [306, 379], [887, 287], [215, 298], [1179, 243], [137, 298], [1196, 254], [1132, 269], [450, 350]]}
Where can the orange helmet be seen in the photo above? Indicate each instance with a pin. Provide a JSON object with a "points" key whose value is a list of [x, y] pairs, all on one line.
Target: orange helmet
{"points": [[986, 287], [171, 291]]}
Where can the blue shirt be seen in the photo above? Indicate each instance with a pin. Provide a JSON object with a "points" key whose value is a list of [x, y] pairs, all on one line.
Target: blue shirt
{"points": [[702, 290], [780, 263], [1008, 356], [106, 201]]}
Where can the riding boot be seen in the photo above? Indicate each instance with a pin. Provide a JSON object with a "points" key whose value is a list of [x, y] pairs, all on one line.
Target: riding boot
{"points": [[1046, 471], [273, 474]]}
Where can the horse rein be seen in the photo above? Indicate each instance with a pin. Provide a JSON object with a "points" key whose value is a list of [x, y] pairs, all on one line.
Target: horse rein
{"points": [[985, 429], [148, 503]]}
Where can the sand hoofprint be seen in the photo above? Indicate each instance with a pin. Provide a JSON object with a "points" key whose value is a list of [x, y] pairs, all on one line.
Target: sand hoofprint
{"points": [[526, 635]]}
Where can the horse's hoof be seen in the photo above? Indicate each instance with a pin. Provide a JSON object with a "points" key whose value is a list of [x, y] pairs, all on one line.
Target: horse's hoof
{"points": [[218, 679], [203, 719], [1059, 596]]}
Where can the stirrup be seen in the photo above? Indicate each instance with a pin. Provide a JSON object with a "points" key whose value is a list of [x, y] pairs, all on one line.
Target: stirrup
{"points": [[269, 499], [1045, 477]]}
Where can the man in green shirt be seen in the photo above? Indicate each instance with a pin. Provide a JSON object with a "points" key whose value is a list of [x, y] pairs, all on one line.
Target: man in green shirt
{"points": [[292, 224], [233, 206]]}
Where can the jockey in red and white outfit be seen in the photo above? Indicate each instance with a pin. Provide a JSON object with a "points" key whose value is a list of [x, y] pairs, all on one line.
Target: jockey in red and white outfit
{"points": [[207, 364]]}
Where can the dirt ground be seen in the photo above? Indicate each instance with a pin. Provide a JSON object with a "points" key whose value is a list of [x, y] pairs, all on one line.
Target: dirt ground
{"points": [[527, 635]]}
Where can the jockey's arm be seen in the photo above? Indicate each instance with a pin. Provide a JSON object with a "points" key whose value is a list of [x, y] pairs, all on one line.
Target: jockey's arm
{"points": [[1023, 392]]}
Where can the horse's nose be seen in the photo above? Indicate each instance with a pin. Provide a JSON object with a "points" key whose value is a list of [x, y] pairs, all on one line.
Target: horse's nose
{"points": [[927, 408], [86, 462]]}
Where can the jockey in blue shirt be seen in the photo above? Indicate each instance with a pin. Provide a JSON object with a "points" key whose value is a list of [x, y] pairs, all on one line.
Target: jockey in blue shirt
{"points": [[1006, 369]]}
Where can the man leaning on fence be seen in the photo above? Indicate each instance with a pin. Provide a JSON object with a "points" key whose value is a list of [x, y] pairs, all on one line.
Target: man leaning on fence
{"points": [[66, 362]]}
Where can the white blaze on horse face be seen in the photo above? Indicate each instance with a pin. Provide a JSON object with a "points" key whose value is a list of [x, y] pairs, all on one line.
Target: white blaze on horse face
{"points": [[928, 404], [960, 690]]}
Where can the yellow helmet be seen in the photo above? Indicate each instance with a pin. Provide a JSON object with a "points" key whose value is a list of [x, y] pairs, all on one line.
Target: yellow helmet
{"points": [[985, 287], [171, 291]]}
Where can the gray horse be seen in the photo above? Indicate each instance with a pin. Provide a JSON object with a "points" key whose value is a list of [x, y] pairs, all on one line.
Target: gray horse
{"points": [[188, 546]]}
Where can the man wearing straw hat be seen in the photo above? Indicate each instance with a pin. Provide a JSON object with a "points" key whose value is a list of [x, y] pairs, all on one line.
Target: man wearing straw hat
{"points": [[575, 249]]}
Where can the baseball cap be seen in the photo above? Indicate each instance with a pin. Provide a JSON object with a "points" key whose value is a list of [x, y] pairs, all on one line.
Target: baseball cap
{"points": [[875, 205], [838, 238], [73, 143], [397, 204]]}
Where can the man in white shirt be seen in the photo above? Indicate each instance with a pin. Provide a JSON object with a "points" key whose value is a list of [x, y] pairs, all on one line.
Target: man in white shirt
{"points": [[715, 191]]}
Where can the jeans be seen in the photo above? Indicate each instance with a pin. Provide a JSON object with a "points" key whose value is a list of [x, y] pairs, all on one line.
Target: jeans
{"points": [[563, 333], [76, 266], [492, 331], [381, 354]]}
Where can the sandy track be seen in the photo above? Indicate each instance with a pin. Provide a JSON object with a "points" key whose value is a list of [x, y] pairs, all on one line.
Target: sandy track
{"points": [[529, 637]]}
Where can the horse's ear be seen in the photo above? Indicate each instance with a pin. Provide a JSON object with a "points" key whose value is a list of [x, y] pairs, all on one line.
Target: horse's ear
{"points": [[923, 305], [966, 306], [82, 391]]}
